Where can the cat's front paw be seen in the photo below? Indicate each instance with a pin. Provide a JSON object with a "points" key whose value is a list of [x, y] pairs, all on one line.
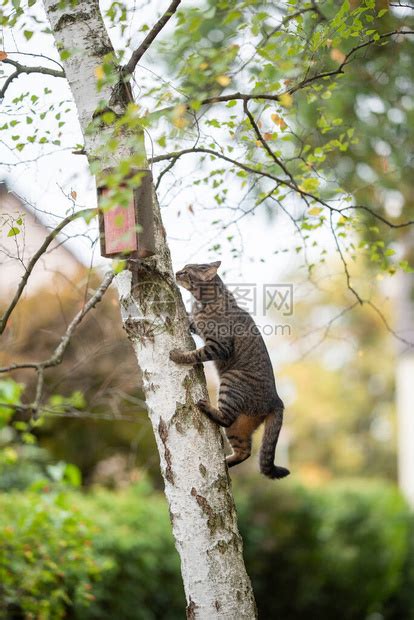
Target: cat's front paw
{"points": [[203, 405], [177, 356]]}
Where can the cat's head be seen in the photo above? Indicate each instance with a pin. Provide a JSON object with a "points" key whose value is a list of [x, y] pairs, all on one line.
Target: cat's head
{"points": [[193, 277]]}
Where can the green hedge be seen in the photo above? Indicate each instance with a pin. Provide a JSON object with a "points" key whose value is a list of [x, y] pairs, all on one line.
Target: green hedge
{"points": [[342, 551], [335, 552], [143, 581], [47, 560], [105, 555]]}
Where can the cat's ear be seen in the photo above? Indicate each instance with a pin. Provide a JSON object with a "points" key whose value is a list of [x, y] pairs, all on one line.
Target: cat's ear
{"points": [[209, 273]]}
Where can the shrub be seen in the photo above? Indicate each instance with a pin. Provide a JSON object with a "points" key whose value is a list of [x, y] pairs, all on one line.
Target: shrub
{"points": [[134, 536], [103, 555], [339, 551], [46, 560]]}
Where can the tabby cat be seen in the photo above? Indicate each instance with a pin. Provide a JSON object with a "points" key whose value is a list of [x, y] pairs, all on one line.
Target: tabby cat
{"points": [[247, 395]]}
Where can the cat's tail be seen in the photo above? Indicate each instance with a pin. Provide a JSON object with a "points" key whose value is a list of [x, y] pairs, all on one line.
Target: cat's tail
{"points": [[273, 424]]}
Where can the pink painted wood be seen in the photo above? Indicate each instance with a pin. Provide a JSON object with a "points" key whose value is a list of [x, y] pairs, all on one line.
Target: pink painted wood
{"points": [[120, 229]]}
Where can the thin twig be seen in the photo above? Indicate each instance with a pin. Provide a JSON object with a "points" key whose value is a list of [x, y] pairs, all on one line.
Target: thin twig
{"points": [[320, 76], [306, 82], [277, 28], [326, 328], [387, 325], [346, 271], [264, 143], [33, 261], [263, 173], [153, 33], [56, 358], [241, 97]]}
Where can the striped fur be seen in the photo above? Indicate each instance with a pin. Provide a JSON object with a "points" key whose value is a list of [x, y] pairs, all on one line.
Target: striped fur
{"points": [[247, 395]]}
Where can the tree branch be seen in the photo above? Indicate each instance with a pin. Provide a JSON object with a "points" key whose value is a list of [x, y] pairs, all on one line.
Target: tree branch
{"points": [[267, 35], [326, 328], [306, 82], [177, 154], [241, 97], [20, 69], [153, 33], [263, 173], [33, 261], [346, 270], [56, 358], [264, 143], [360, 300]]}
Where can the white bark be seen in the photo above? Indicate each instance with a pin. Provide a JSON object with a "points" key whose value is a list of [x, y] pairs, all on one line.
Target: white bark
{"points": [[197, 485]]}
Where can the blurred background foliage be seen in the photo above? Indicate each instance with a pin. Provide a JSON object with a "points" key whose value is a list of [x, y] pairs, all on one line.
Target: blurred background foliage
{"points": [[340, 397], [94, 412], [343, 548]]}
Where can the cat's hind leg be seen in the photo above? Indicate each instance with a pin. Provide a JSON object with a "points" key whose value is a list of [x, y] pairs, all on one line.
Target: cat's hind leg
{"points": [[239, 435]]}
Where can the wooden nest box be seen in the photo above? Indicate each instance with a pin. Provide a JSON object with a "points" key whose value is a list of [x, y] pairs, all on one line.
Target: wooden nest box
{"points": [[128, 231]]}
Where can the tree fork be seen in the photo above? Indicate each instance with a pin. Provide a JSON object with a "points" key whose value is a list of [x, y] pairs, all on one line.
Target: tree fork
{"points": [[197, 484]]}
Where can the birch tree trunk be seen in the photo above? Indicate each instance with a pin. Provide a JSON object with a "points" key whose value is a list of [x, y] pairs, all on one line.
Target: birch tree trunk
{"points": [[197, 484]]}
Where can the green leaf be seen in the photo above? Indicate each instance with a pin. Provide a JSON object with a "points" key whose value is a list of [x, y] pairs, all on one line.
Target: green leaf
{"points": [[28, 34], [13, 231], [310, 185], [72, 475], [64, 54]]}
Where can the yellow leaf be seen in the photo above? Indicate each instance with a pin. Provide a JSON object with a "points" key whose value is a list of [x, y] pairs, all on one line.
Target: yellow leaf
{"points": [[180, 122], [314, 211], [223, 80], [180, 109], [3, 56], [178, 116], [203, 66], [278, 120], [337, 55], [268, 135], [286, 100], [10, 454], [99, 72]]}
